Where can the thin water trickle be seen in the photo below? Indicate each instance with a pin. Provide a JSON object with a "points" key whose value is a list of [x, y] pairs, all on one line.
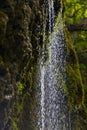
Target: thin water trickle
{"points": [[42, 98], [52, 115], [51, 15]]}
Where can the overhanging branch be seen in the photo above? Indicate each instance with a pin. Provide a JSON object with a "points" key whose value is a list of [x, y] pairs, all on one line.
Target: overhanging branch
{"points": [[82, 26]]}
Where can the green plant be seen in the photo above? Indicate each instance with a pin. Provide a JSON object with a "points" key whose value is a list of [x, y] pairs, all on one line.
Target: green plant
{"points": [[20, 88]]}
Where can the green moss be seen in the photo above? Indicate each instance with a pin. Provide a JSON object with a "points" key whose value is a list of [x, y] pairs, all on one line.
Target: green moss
{"points": [[83, 67], [28, 111], [20, 88], [74, 85], [75, 91], [14, 125], [27, 86]]}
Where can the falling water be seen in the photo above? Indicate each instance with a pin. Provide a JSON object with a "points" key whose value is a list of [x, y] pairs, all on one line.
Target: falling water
{"points": [[51, 15], [53, 108]]}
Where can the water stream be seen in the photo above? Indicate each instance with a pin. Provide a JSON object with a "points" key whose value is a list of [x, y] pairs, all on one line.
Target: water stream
{"points": [[52, 74]]}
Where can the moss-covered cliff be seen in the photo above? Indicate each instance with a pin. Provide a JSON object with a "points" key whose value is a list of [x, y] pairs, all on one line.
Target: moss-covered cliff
{"points": [[74, 87], [21, 26]]}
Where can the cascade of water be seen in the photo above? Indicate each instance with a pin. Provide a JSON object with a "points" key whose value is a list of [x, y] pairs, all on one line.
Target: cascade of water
{"points": [[42, 99], [42, 68], [51, 15], [53, 109]]}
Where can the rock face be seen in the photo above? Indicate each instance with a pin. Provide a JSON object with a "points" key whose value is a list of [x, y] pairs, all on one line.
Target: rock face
{"points": [[19, 32], [21, 25]]}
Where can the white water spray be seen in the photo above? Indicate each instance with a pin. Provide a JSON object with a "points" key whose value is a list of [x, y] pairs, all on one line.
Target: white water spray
{"points": [[52, 115]]}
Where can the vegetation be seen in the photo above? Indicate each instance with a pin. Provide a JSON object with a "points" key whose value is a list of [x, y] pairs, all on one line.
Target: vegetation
{"points": [[21, 24], [76, 22], [76, 15]]}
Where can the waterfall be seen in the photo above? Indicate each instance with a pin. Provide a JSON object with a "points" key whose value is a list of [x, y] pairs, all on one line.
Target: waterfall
{"points": [[52, 74], [51, 15]]}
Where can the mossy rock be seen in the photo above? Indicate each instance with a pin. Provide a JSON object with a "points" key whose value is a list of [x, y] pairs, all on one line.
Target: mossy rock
{"points": [[74, 81], [3, 25], [74, 87]]}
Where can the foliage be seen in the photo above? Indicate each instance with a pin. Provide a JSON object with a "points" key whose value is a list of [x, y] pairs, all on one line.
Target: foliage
{"points": [[76, 15], [76, 10]]}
